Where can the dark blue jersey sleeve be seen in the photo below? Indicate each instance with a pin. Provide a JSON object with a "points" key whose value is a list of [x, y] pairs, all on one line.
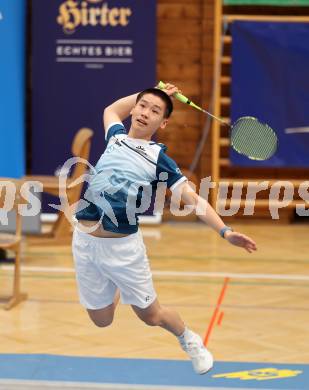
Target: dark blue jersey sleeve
{"points": [[168, 170], [114, 129]]}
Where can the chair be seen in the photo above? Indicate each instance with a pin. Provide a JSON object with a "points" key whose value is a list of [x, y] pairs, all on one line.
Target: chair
{"points": [[61, 229], [12, 242]]}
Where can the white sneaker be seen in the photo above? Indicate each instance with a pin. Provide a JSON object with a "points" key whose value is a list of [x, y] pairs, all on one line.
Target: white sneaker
{"points": [[201, 358]]}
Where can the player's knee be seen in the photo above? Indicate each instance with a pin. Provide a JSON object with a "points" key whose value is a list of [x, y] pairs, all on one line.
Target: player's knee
{"points": [[102, 322], [152, 320]]}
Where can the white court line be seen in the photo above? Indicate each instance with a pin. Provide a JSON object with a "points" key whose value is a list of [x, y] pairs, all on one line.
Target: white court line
{"points": [[52, 270], [42, 385], [195, 274], [233, 275]]}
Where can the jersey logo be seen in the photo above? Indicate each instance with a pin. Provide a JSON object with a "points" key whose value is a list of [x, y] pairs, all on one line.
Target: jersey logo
{"points": [[138, 150], [141, 150]]}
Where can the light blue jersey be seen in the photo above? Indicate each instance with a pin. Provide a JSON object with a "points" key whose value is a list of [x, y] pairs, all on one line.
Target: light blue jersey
{"points": [[125, 179]]}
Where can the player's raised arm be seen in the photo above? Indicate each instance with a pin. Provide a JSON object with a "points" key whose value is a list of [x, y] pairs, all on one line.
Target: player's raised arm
{"points": [[208, 215], [118, 111]]}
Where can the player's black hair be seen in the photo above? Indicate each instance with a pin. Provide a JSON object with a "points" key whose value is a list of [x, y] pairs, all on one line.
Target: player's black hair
{"points": [[162, 95]]}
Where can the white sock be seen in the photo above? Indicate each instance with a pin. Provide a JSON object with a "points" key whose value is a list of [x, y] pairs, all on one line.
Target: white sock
{"points": [[186, 335]]}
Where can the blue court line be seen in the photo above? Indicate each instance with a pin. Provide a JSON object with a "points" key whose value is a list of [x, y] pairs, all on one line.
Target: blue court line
{"points": [[150, 372]]}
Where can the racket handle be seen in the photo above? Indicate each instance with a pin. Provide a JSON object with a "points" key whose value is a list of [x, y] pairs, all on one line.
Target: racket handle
{"points": [[180, 97], [184, 99], [177, 95]]}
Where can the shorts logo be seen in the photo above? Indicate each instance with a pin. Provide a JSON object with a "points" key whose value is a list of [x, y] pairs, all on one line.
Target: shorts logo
{"points": [[147, 299]]}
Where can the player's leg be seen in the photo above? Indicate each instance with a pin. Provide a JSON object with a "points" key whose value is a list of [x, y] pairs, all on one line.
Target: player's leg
{"points": [[104, 317], [157, 315], [97, 293], [131, 272], [191, 343]]}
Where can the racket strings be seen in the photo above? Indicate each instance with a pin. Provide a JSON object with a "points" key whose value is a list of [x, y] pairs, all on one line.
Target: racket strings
{"points": [[254, 139]]}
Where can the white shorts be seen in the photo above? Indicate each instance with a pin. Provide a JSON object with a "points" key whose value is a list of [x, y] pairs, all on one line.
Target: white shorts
{"points": [[105, 264]]}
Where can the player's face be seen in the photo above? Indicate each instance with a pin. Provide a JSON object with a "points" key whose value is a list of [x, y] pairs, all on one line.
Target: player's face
{"points": [[148, 115]]}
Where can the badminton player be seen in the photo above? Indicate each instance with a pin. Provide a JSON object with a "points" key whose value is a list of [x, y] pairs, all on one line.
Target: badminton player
{"points": [[111, 260]]}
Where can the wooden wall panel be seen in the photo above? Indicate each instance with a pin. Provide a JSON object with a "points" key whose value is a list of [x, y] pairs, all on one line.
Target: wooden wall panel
{"points": [[185, 31], [179, 10], [185, 56]]}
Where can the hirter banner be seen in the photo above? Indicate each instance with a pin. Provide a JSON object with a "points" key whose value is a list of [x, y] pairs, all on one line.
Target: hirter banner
{"points": [[85, 55]]}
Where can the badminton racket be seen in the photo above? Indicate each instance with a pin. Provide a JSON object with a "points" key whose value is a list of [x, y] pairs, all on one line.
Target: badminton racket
{"points": [[249, 136]]}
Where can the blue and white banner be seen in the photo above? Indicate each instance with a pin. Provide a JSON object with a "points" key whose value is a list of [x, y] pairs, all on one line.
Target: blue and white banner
{"points": [[270, 81], [12, 88], [86, 54]]}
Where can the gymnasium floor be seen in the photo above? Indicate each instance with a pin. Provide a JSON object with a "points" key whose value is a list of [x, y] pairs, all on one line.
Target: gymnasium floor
{"points": [[252, 309]]}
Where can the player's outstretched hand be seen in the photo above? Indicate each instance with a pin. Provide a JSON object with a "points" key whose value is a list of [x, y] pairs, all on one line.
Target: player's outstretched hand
{"points": [[241, 240]]}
